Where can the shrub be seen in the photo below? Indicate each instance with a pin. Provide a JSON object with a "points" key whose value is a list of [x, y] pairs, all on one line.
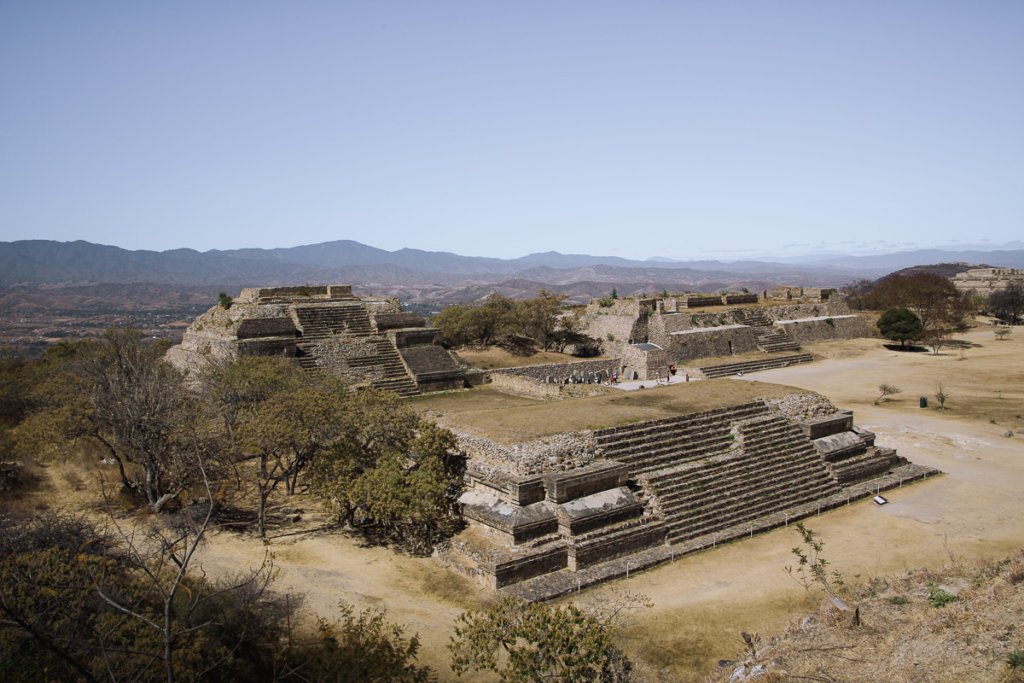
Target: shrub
{"points": [[224, 300], [938, 597], [830, 322], [1015, 660]]}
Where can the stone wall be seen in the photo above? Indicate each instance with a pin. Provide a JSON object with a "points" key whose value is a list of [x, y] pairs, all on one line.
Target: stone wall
{"points": [[707, 342], [550, 454], [810, 330], [559, 372], [699, 300], [984, 281], [642, 362], [518, 385], [808, 310], [612, 331], [806, 294], [394, 321]]}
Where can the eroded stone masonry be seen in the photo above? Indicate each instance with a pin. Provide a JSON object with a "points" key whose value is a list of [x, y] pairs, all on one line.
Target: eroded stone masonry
{"points": [[985, 281], [649, 334], [556, 514], [369, 341]]}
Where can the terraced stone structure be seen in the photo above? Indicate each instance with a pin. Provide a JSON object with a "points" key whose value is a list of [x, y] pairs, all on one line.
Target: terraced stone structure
{"points": [[369, 341], [649, 334], [985, 281], [554, 514]]}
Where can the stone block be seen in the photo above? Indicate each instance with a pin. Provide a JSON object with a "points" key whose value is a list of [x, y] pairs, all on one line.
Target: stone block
{"points": [[536, 564], [816, 428], [596, 510], [598, 476]]}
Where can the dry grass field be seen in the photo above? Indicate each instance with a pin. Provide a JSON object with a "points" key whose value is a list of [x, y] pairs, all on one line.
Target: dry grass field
{"points": [[703, 602], [512, 419], [492, 357]]}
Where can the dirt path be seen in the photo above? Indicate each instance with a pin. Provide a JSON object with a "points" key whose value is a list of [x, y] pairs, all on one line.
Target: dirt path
{"points": [[327, 568]]}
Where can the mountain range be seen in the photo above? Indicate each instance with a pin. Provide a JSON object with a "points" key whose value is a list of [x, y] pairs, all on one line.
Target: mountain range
{"points": [[441, 277]]}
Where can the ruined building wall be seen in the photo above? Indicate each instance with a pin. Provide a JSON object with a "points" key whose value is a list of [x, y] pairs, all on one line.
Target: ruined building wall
{"points": [[708, 342], [810, 330]]}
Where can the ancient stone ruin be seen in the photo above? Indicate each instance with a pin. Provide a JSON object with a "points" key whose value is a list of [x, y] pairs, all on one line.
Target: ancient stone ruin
{"points": [[649, 334], [558, 513], [985, 281], [369, 341]]}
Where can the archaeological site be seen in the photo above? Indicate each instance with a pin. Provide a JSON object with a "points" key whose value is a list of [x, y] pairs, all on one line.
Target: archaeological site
{"points": [[571, 479], [369, 341]]}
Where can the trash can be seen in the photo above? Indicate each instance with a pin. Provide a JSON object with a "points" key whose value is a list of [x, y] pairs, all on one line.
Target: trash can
{"points": [[924, 401]]}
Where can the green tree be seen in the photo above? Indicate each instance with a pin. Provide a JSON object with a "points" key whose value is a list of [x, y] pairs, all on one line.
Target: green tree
{"points": [[900, 324], [234, 390], [538, 318], [392, 472], [526, 642], [358, 648], [481, 324], [287, 431]]}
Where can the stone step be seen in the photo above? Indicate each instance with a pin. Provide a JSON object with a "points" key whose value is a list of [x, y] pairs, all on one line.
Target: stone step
{"points": [[681, 533], [670, 490], [687, 500], [650, 458], [714, 371], [608, 437]]}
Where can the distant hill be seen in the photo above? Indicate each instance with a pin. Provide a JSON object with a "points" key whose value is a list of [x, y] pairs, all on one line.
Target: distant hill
{"points": [[39, 262], [946, 270]]}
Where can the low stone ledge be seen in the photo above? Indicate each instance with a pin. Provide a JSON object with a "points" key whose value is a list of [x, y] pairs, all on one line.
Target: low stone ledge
{"points": [[593, 478], [819, 427]]}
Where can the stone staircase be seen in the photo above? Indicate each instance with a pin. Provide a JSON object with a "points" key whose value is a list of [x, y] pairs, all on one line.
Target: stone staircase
{"points": [[396, 377], [754, 317], [658, 444], [772, 339], [322, 321], [775, 468], [769, 337], [319, 321], [729, 369]]}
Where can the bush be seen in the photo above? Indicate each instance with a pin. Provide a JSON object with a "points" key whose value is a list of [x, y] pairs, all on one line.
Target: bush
{"points": [[938, 597], [224, 300], [1015, 660]]}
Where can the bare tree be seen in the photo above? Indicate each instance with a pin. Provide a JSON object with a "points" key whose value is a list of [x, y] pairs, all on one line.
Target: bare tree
{"points": [[885, 391], [163, 555], [139, 409], [941, 395]]}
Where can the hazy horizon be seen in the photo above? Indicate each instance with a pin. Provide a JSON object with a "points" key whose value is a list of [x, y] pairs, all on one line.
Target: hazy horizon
{"points": [[680, 131]]}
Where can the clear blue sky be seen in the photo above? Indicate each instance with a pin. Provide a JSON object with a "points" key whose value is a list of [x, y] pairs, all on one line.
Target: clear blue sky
{"points": [[675, 129]]}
